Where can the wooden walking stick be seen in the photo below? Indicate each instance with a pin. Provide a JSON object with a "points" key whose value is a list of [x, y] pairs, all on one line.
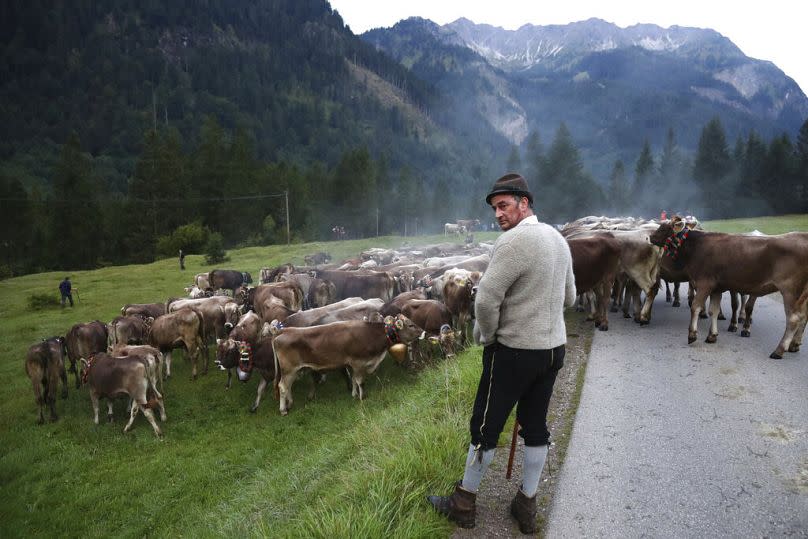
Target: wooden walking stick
{"points": [[513, 450]]}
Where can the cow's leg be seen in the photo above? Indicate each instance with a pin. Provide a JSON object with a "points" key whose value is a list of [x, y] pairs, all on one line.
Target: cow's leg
{"points": [[695, 309], [36, 381], [150, 417], [747, 323], [590, 303], [110, 417], [167, 357], [94, 400], [628, 295], [229, 378], [133, 410], [691, 293], [742, 309], [51, 397], [721, 311], [715, 308], [76, 372], [676, 302], [285, 390], [794, 319], [262, 387], [579, 305], [650, 295], [602, 298], [668, 291], [733, 321], [63, 378]]}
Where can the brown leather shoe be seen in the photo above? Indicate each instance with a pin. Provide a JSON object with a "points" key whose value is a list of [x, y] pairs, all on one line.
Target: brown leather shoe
{"points": [[460, 507], [524, 511]]}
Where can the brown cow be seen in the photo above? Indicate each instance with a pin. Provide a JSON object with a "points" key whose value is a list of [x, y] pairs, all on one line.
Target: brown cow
{"points": [[366, 284], [317, 258], [436, 320], [110, 377], [228, 279], [275, 300], [215, 313], [45, 366], [127, 330], [84, 340], [144, 310], [458, 295], [152, 355], [310, 317], [178, 329], [716, 262], [595, 263], [364, 310], [321, 292], [393, 307], [355, 344]]}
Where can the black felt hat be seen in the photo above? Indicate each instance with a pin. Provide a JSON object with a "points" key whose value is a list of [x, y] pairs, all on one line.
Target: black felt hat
{"points": [[510, 184]]}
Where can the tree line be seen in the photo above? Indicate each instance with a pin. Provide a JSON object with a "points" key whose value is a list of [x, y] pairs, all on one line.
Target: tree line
{"points": [[219, 192]]}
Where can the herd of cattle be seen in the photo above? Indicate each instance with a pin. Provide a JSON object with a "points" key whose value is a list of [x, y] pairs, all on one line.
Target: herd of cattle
{"points": [[413, 302]]}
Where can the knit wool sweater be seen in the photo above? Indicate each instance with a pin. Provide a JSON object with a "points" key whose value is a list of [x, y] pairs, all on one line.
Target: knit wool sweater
{"points": [[522, 295]]}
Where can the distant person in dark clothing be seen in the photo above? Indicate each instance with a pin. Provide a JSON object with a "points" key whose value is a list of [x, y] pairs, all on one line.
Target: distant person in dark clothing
{"points": [[66, 289], [182, 260]]}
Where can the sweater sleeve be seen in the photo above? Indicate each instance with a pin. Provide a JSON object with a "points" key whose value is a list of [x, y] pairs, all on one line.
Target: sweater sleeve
{"points": [[570, 293], [503, 270]]}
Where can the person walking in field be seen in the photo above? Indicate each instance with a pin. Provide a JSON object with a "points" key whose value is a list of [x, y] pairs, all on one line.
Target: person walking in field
{"points": [[182, 260], [519, 311], [66, 290]]}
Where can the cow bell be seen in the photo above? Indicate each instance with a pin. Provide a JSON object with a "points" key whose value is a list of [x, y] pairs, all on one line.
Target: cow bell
{"points": [[398, 351], [243, 376]]}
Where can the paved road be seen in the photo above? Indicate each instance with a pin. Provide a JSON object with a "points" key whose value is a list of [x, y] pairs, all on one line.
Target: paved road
{"points": [[678, 440]]}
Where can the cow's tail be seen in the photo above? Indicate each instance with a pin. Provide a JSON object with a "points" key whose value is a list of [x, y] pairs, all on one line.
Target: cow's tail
{"points": [[277, 378], [802, 301]]}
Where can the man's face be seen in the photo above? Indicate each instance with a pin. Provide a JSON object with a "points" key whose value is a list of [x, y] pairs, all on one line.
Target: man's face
{"points": [[508, 211]]}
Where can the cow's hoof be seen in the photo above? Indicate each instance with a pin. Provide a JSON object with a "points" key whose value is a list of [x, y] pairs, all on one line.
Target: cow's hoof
{"points": [[793, 347], [643, 322], [691, 338], [775, 355], [667, 300], [626, 315], [722, 317], [732, 329], [745, 333], [597, 322], [702, 315], [254, 408], [603, 327], [676, 304], [284, 412], [741, 320], [711, 339], [110, 419]]}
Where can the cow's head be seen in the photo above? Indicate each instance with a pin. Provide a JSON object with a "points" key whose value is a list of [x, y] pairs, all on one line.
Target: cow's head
{"points": [[406, 329], [231, 353], [661, 234]]}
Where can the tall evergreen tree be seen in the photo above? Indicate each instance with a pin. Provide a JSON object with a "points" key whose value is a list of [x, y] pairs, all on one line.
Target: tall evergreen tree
{"points": [[751, 183], [76, 222], [514, 163], [566, 191], [712, 167], [534, 157], [643, 171], [779, 173], [618, 189]]}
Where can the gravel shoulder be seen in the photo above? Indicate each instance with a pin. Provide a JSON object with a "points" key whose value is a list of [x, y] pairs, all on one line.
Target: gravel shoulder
{"points": [[496, 492]]}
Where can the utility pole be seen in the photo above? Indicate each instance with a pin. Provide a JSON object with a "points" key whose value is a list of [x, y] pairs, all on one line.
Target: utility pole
{"points": [[288, 237]]}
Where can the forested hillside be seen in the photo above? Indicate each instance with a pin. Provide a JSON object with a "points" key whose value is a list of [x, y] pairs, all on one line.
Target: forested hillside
{"points": [[135, 118]]}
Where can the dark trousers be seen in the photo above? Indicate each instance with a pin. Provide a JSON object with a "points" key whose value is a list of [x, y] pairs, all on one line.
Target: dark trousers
{"points": [[514, 377], [66, 297]]}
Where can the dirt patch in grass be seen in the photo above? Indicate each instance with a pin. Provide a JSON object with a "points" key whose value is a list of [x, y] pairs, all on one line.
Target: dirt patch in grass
{"points": [[496, 492]]}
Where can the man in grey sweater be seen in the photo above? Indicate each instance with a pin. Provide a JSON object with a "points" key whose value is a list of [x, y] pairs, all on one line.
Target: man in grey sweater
{"points": [[519, 312]]}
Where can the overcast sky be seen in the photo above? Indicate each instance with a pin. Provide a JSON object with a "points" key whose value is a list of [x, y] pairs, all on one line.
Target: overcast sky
{"points": [[773, 30]]}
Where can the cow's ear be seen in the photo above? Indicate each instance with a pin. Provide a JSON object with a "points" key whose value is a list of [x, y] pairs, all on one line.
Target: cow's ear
{"points": [[400, 324]]}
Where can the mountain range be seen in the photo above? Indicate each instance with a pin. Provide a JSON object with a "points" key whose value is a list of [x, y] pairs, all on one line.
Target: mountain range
{"points": [[613, 87]]}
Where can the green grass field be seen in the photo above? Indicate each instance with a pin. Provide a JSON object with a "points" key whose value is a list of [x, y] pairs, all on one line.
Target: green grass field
{"points": [[335, 467], [767, 225]]}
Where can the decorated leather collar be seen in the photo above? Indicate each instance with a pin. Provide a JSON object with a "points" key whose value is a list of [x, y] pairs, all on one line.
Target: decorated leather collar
{"points": [[246, 356], [391, 327], [674, 243]]}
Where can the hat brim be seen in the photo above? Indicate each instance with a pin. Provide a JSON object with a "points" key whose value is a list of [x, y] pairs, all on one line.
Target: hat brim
{"points": [[517, 192]]}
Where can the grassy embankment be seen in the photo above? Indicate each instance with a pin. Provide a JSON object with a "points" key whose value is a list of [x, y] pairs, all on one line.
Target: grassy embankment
{"points": [[768, 225], [334, 467]]}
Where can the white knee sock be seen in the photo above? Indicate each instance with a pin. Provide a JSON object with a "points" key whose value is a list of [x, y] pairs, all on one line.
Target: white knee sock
{"points": [[476, 464], [531, 468]]}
